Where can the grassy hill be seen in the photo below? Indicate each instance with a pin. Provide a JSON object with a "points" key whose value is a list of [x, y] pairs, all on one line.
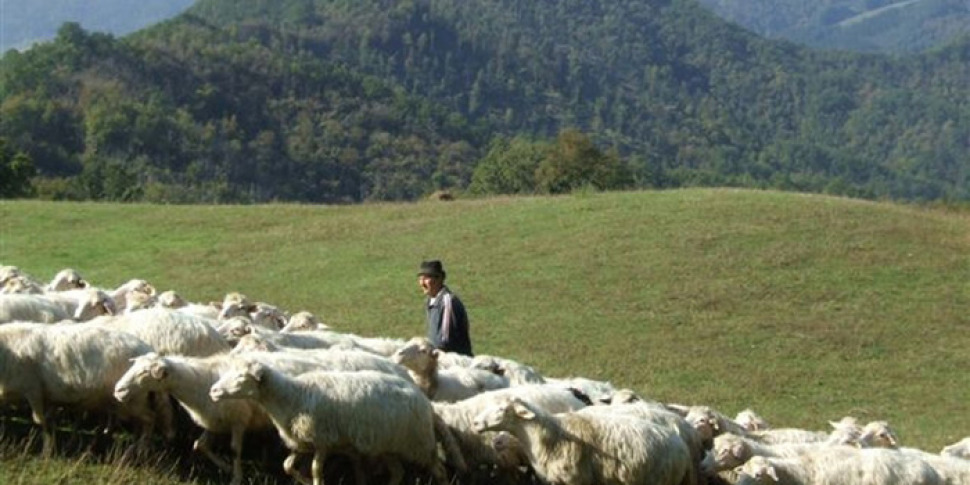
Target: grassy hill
{"points": [[804, 308]]}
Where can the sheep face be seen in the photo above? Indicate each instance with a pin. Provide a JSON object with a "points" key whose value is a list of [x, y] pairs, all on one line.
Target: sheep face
{"points": [[145, 374], [302, 322], [704, 421], [879, 434], [750, 420], [252, 343], [239, 383], [417, 355], [501, 416], [67, 279], [729, 451], [95, 303], [171, 299], [757, 470]]}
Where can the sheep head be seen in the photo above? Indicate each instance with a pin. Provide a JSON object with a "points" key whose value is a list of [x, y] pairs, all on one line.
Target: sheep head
{"points": [[241, 382], [501, 416], [145, 375]]}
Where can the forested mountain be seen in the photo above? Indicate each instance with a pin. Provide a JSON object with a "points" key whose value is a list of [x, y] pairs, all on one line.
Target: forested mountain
{"points": [[349, 100], [891, 26], [27, 21]]}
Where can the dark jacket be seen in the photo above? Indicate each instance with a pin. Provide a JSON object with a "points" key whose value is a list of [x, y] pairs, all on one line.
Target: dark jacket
{"points": [[448, 323]]}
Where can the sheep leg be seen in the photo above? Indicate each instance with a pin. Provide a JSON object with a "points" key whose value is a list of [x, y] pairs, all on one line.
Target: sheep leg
{"points": [[396, 469], [202, 446], [236, 444], [319, 457], [358, 468], [38, 415], [289, 466]]}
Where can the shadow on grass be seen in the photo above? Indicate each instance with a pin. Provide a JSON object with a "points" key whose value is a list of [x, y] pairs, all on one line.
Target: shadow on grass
{"points": [[82, 445]]}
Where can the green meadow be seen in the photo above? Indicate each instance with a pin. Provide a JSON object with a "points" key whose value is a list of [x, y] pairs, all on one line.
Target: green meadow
{"points": [[805, 308]]}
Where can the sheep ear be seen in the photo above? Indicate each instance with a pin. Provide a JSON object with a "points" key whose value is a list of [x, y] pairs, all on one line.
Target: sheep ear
{"points": [[522, 411], [772, 472], [257, 370], [159, 371], [737, 450], [435, 353], [248, 329]]}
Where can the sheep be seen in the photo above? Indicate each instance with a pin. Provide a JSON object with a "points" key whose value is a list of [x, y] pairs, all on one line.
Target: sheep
{"points": [[30, 308], [453, 384], [263, 340], [626, 402], [188, 380], [880, 434], [839, 466], [336, 359], [584, 449], [303, 321], [369, 413], [751, 421], [518, 374], [960, 449], [67, 279], [21, 285], [172, 300], [711, 423], [54, 307], [477, 447], [169, 332], [261, 313], [72, 365], [731, 450]]}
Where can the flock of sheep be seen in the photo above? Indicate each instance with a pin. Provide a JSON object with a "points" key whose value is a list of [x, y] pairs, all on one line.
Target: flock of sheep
{"points": [[236, 367]]}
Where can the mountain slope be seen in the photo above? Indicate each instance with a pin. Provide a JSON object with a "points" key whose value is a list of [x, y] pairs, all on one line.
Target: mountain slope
{"points": [[296, 99], [26, 22], [891, 26]]}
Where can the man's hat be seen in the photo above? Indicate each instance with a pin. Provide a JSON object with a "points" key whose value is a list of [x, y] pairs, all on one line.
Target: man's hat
{"points": [[432, 268]]}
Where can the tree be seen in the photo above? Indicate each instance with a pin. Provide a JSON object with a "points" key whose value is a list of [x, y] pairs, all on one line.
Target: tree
{"points": [[16, 170], [574, 162], [509, 167]]}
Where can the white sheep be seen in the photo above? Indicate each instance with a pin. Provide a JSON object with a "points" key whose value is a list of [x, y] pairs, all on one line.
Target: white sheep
{"points": [[188, 380], [67, 279], [170, 332], [477, 447], [172, 300], [303, 321], [731, 450], [335, 359], [21, 285], [368, 413], [587, 449], [255, 338], [751, 421], [55, 306], [839, 466], [960, 449], [952, 470], [71, 365], [452, 384]]}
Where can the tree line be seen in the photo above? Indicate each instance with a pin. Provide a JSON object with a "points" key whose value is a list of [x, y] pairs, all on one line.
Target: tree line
{"points": [[341, 102]]}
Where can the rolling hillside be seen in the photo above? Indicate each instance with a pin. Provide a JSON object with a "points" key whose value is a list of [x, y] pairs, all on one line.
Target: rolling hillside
{"points": [[805, 308]]}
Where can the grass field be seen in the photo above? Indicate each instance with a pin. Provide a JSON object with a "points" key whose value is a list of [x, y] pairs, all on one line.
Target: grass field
{"points": [[805, 308]]}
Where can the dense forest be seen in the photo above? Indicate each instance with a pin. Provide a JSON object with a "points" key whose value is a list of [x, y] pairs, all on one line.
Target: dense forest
{"points": [[890, 26], [350, 100]]}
